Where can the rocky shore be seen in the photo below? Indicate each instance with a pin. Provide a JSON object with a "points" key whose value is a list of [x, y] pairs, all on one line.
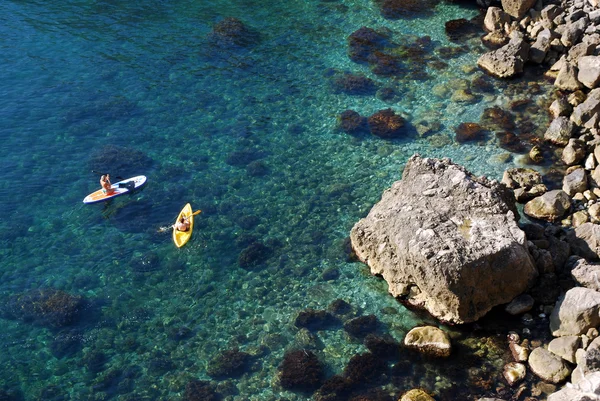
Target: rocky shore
{"points": [[453, 243]]}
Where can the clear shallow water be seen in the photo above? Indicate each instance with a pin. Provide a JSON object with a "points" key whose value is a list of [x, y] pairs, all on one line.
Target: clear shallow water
{"points": [[77, 77]]}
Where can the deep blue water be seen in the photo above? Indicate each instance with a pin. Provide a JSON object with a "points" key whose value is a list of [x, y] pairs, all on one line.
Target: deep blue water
{"points": [[247, 134]]}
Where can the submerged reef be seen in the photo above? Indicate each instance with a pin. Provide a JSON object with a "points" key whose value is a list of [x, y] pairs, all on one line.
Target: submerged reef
{"points": [[301, 370]]}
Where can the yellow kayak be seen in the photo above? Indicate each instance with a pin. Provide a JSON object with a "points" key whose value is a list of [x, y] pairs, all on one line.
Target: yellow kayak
{"points": [[181, 237]]}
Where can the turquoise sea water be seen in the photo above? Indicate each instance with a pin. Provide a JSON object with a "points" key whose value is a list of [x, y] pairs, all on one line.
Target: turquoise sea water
{"points": [[247, 134]]}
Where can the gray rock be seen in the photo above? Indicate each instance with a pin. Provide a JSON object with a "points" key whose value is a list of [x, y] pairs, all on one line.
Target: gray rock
{"points": [[429, 340], [506, 61], [567, 78], [517, 8], [560, 131], [573, 31], [539, 49], [580, 50], [449, 234], [585, 241], [589, 71], [575, 312], [565, 347], [560, 107], [547, 366], [574, 152], [574, 182], [495, 18], [586, 274], [551, 206], [587, 389], [584, 111]]}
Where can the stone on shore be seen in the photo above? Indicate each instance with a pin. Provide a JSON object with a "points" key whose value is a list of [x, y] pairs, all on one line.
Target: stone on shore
{"points": [[551, 206], [585, 241], [566, 79], [548, 367], [560, 131], [430, 341], [495, 18], [589, 71], [580, 392], [506, 61], [586, 274], [447, 240], [574, 152], [575, 181], [517, 8], [575, 312], [588, 109], [565, 347]]}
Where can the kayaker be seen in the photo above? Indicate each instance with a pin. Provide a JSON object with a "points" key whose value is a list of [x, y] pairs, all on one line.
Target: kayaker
{"points": [[105, 184], [183, 224]]}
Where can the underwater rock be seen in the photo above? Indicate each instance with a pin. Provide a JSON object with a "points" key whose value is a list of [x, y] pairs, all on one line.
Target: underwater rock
{"points": [[145, 263], [514, 373], [460, 29], [511, 142], [314, 320], [340, 307], [94, 361], [361, 326], [354, 84], [497, 119], [45, 307], [301, 370], [351, 122], [257, 168], [231, 31], [331, 274], [66, 344], [466, 132], [243, 157], [180, 333], [229, 363], [200, 390], [365, 369], [385, 347], [406, 236], [430, 341], [384, 64], [394, 9], [121, 160], [253, 255], [364, 42], [386, 124], [335, 388], [387, 94]]}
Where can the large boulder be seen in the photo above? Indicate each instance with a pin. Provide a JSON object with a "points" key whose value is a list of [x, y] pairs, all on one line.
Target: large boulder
{"points": [[506, 61], [579, 393], [575, 312], [588, 109], [447, 240]]}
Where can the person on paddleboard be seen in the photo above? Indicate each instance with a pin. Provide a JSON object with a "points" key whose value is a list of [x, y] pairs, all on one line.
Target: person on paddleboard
{"points": [[183, 224], [105, 184]]}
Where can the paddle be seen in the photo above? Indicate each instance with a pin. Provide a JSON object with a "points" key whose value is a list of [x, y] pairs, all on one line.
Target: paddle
{"points": [[163, 229]]}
